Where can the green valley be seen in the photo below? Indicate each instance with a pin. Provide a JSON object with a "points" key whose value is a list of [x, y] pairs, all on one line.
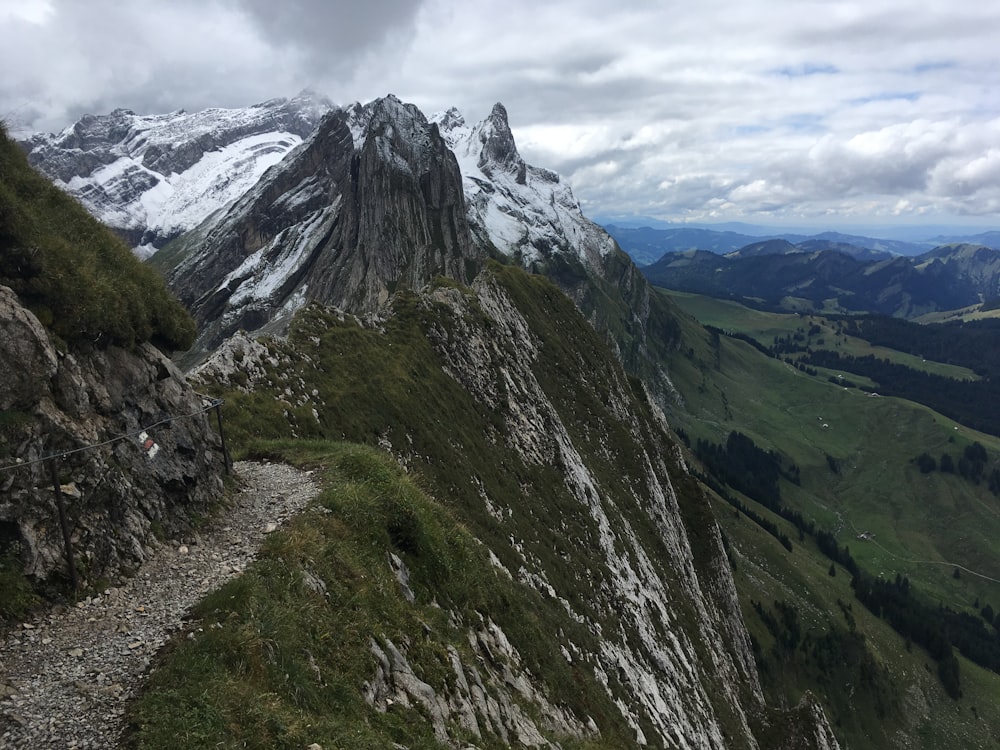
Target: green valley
{"points": [[854, 454]]}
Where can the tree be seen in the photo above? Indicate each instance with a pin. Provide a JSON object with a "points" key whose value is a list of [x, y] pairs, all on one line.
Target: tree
{"points": [[948, 673], [833, 570], [947, 464], [987, 613], [926, 463]]}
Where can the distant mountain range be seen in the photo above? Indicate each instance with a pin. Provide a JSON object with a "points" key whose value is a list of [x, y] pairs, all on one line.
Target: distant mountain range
{"points": [[778, 275], [925, 236], [647, 245]]}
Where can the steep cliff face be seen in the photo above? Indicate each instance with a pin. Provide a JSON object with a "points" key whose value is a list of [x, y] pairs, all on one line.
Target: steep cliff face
{"points": [[510, 406], [152, 177], [118, 493], [371, 202]]}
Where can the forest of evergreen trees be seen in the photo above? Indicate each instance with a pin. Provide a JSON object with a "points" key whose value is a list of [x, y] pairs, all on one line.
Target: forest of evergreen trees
{"points": [[969, 344], [756, 473]]}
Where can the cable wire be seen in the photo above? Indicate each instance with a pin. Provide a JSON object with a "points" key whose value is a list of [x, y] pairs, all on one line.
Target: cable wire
{"points": [[214, 405]]}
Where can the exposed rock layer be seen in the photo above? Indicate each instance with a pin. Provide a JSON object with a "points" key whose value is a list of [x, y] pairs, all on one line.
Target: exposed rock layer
{"points": [[334, 223], [117, 493]]}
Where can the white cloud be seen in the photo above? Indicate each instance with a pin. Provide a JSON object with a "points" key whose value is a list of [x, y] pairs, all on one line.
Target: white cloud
{"points": [[776, 108]]}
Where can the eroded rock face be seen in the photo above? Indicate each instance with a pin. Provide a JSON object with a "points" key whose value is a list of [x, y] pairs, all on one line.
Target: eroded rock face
{"points": [[372, 202], [484, 696], [118, 494]]}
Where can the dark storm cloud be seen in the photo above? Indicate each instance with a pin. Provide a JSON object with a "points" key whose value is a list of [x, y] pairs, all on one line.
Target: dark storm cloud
{"points": [[331, 29]]}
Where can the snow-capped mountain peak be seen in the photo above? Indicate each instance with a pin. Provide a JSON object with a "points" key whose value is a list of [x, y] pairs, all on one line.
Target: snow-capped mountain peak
{"points": [[524, 211], [153, 177]]}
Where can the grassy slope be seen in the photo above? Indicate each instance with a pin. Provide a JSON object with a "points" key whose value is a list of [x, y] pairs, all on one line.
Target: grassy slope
{"points": [[765, 326], [373, 386], [275, 663], [935, 518], [82, 282]]}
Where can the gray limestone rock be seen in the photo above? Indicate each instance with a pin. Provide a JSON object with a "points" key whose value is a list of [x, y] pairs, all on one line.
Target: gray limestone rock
{"points": [[155, 463]]}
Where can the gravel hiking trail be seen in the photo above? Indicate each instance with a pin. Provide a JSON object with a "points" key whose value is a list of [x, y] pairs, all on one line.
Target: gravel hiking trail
{"points": [[67, 674]]}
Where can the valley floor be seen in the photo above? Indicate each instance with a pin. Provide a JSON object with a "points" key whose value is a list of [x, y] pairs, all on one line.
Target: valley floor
{"points": [[67, 675]]}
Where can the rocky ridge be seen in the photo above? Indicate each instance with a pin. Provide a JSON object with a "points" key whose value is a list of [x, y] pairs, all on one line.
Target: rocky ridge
{"points": [[666, 641], [66, 675], [336, 223]]}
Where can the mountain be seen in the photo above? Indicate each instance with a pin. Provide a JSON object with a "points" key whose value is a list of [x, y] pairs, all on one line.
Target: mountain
{"points": [[569, 581], [902, 239], [595, 578], [387, 248], [975, 264], [647, 245], [990, 239], [376, 200], [371, 201], [525, 212], [153, 177], [765, 247], [946, 278]]}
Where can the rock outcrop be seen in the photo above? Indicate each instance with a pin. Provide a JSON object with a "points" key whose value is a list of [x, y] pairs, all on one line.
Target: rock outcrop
{"points": [[372, 202], [123, 479]]}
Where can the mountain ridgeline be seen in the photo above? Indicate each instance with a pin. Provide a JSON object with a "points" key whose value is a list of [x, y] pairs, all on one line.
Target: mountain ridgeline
{"points": [[555, 576], [826, 277]]}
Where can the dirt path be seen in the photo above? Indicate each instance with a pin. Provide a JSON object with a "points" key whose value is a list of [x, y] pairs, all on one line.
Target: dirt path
{"points": [[66, 676]]}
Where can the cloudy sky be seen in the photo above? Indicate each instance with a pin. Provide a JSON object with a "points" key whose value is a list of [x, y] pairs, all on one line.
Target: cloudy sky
{"points": [[770, 111]]}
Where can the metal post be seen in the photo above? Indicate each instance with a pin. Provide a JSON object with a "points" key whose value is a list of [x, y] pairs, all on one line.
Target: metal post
{"points": [[70, 562], [222, 434]]}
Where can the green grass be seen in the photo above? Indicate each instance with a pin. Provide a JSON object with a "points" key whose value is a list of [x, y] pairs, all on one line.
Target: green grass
{"points": [[277, 662], [922, 524]]}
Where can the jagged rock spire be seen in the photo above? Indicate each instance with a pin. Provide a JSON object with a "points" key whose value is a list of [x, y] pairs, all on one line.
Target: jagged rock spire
{"points": [[498, 148]]}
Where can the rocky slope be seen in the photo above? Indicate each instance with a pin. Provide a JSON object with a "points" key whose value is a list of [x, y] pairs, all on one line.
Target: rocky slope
{"points": [[118, 493], [152, 177], [509, 404], [81, 376]]}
